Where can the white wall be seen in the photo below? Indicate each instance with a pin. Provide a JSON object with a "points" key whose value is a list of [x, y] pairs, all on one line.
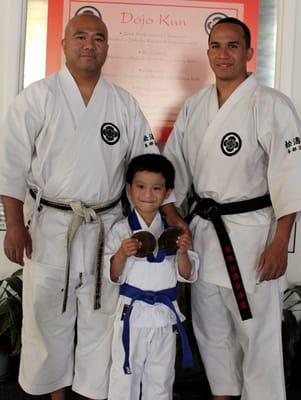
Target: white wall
{"points": [[12, 36], [288, 67]]}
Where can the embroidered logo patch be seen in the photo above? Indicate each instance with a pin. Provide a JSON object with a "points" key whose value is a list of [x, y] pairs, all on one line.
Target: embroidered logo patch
{"points": [[212, 19], [149, 140], [293, 144], [231, 144], [110, 133]]}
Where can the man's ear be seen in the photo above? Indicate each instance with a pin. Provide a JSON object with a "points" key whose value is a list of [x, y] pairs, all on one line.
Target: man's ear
{"points": [[250, 53], [63, 44]]}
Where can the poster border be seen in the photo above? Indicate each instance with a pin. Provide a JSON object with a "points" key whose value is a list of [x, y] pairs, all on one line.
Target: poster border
{"points": [[55, 27]]}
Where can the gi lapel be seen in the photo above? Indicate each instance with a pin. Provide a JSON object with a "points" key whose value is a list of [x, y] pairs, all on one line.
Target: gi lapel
{"points": [[72, 96]]}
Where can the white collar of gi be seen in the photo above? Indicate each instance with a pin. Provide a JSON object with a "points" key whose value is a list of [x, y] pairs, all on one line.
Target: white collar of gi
{"points": [[156, 226]]}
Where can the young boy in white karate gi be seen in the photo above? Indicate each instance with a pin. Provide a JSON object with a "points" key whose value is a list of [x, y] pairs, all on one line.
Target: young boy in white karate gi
{"points": [[144, 342]]}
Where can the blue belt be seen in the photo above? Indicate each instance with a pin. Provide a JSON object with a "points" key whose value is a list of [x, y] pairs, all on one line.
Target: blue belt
{"points": [[166, 297]]}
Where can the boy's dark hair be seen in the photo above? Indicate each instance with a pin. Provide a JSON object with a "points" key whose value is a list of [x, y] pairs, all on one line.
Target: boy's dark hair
{"points": [[152, 163], [235, 21]]}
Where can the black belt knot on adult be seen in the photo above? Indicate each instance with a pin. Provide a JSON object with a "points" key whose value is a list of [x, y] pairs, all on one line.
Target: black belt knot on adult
{"points": [[209, 209]]}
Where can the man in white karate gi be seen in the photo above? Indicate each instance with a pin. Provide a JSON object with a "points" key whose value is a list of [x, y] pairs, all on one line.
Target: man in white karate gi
{"points": [[68, 138], [238, 143]]}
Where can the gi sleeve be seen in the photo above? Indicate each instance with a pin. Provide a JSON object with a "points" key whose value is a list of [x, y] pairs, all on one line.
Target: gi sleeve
{"points": [[22, 124], [113, 240], [174, 151], [279, 131], [142, 139]]}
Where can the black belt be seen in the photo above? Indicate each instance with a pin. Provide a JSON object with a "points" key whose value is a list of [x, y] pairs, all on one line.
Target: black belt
{"points": [[209, 209], [67, 207]]}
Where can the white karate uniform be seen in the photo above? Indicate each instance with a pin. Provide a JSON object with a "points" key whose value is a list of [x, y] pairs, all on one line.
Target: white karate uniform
{"points": [[239, 151], [68, 151], [152, 340]]}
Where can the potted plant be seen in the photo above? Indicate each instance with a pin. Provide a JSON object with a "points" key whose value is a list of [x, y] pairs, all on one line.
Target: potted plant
{"points": [[10, 319], [291, 333]]}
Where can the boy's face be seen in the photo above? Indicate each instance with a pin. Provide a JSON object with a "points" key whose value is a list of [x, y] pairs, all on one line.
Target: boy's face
{"points": [[148, 191]]}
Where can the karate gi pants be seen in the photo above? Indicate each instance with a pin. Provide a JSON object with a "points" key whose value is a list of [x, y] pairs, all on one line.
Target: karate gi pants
{"points": [[49, 358], [152, 362], [240, 357]]}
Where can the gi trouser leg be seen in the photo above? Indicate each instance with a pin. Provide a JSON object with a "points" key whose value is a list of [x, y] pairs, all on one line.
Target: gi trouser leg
{"points": [[240, 357]]}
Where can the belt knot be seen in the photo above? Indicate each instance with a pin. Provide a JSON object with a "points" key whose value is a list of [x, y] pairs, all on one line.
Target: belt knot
{"points": [[87, 213], [149, 297], [207, 208]]}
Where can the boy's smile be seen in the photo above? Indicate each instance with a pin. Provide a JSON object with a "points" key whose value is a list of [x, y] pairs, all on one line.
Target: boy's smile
{"points": [[148, 191]]}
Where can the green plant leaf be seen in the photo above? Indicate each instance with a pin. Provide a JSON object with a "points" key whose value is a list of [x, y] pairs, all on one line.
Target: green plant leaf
{"points": [[15, 283], [5, 326], [292, 297], [11, 311], [290, 332], [19, 272], [297, 290], [4, 309], [15, 309]]}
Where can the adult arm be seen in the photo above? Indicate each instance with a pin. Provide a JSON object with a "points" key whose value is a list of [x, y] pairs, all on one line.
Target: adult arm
{"points": [[173, 218], [23, 123], [279, 128], [174, 151], [273, 260], [17, 239], [141, 139]]}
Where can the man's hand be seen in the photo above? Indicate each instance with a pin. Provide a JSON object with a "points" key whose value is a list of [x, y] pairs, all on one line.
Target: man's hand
{"points": [[273, 260], [173, 218], [17, 241]]}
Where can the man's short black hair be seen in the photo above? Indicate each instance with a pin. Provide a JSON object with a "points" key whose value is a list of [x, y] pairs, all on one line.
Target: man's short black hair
{"points": [[235, 21], [152, 163]]}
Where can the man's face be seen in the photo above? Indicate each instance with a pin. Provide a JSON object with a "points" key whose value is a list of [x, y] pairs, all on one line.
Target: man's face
{"points": [[85, 45], [228, 54]]}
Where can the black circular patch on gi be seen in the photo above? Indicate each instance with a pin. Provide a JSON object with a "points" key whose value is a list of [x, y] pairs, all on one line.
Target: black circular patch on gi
{"points": [[231, 144], [212, 19], [110, 133]]}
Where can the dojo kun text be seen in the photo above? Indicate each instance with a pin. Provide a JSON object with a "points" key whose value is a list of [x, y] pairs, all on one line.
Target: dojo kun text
{"points": [[142, 20]]}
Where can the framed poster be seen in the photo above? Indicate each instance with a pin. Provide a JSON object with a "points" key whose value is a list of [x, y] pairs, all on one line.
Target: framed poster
{"points": [[157, 49]]}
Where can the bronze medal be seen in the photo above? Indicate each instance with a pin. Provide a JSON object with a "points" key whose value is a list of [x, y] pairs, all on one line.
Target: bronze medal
{"points": [[168, 240], [148, 243]]}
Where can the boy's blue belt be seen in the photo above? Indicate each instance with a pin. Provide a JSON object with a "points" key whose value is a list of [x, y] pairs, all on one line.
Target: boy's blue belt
{"points": [[166, 297]]}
